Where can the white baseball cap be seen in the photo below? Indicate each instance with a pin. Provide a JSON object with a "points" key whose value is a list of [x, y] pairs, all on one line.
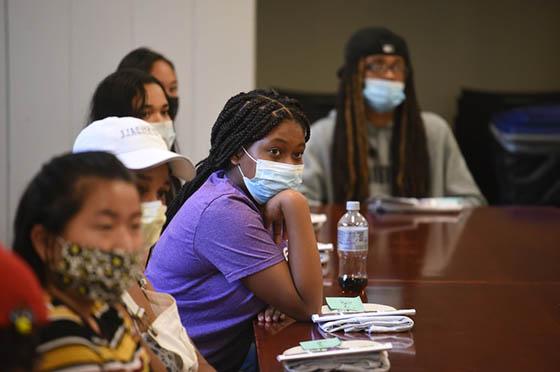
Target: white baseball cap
{"points": [[135, 143]]}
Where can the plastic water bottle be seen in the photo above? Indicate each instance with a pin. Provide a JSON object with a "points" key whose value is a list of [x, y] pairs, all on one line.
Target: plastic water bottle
{"points": [[352, 251]]}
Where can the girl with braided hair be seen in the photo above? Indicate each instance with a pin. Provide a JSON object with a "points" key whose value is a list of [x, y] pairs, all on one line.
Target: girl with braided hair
{"points": [[378, 143], [220, 255]]}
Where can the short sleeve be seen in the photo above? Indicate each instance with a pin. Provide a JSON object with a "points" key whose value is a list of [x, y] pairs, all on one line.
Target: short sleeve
{"points": [[232, 237]]}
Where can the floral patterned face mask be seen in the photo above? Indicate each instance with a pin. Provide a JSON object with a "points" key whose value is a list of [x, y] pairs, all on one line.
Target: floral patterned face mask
{"points": [[94, 273]]}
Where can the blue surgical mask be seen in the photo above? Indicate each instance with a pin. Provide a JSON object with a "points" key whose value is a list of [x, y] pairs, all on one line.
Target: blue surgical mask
{"points": [[383, 95], [271, 177]]}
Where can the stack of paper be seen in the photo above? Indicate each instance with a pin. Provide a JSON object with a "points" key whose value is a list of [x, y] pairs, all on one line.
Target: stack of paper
{"points": [[318, 220], [414, 205], [335, 355], [403, 342], [371, 318]]}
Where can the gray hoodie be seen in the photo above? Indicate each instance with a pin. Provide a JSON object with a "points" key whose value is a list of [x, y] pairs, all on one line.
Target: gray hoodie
{"points": [[450, 175]]}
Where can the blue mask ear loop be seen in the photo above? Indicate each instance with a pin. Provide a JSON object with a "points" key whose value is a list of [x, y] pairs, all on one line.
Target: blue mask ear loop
{"points": [[249, 155]]}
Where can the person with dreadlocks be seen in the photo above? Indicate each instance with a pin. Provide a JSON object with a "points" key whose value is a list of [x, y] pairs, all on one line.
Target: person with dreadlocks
{"points": [[378, 143], [221, 254]]}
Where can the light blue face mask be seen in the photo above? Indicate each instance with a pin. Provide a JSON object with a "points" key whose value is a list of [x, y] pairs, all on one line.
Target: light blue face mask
{"points": [[271, 177], [383, 95]]}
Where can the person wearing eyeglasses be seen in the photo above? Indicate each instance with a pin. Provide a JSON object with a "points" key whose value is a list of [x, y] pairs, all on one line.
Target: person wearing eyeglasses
{"points": [[378, 143]]}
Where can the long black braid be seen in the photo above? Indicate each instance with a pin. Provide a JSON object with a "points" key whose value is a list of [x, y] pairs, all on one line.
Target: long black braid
{"points": [[246, 118]]}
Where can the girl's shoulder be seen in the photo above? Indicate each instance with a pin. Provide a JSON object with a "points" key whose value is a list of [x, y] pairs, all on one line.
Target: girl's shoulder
{"points": [[219, 194], [323, 128], [233, 204], [438, 130], [67, 341], [434, 122], [65, 322]]}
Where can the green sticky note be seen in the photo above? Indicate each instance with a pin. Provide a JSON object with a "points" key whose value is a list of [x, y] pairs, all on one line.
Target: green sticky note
{"points": [[326, 343], [345, 303]]}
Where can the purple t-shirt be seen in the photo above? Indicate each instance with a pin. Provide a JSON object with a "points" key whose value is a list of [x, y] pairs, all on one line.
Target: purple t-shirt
{"points": [[216, 239]]}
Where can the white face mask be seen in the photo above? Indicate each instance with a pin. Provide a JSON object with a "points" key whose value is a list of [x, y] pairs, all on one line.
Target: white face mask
{"points": [[166, 131], [153, 219], [271, 177]]}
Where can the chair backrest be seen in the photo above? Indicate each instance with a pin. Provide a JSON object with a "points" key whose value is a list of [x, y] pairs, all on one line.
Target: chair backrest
{"points": [[472, 130], [315, 105]]}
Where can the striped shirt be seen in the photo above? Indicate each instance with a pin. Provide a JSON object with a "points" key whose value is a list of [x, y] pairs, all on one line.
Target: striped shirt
{"points": [[68, 343]]}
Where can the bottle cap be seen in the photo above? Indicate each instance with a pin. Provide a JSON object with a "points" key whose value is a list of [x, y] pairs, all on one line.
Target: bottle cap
{"points": [[353, 205]]}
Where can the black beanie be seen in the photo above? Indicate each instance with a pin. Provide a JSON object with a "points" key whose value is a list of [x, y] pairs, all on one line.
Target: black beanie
{"points": [[374, 40]]}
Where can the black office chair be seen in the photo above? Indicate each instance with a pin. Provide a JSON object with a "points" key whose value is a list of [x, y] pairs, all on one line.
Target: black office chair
{"points": [[472, 130], [314, 105]]}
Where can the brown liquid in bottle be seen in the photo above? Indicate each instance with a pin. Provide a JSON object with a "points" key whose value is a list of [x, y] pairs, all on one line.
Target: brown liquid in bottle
{"points": [[352, 285]]}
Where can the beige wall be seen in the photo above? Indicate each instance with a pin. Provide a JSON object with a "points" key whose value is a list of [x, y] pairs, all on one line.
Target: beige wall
{"points": [[486, 44]]}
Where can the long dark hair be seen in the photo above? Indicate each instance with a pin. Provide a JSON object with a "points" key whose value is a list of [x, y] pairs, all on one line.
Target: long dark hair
{"points": [[55, 195], [143, 59], [410, 161], [122, 93], [246, 118]]}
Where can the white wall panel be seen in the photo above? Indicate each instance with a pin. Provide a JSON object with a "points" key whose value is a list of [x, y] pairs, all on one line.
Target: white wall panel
{"points": [[224, 60], [166, 26], [59, 50], [101, 34], [39, 82], [4, 149]]}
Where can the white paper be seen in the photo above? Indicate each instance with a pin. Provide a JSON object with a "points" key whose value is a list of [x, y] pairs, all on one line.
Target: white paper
{"points": [[346, 347], [317, 318], [414, 205]]}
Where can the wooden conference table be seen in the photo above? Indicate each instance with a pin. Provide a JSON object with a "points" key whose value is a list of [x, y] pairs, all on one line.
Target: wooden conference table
{"points": [[485, 285]]}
